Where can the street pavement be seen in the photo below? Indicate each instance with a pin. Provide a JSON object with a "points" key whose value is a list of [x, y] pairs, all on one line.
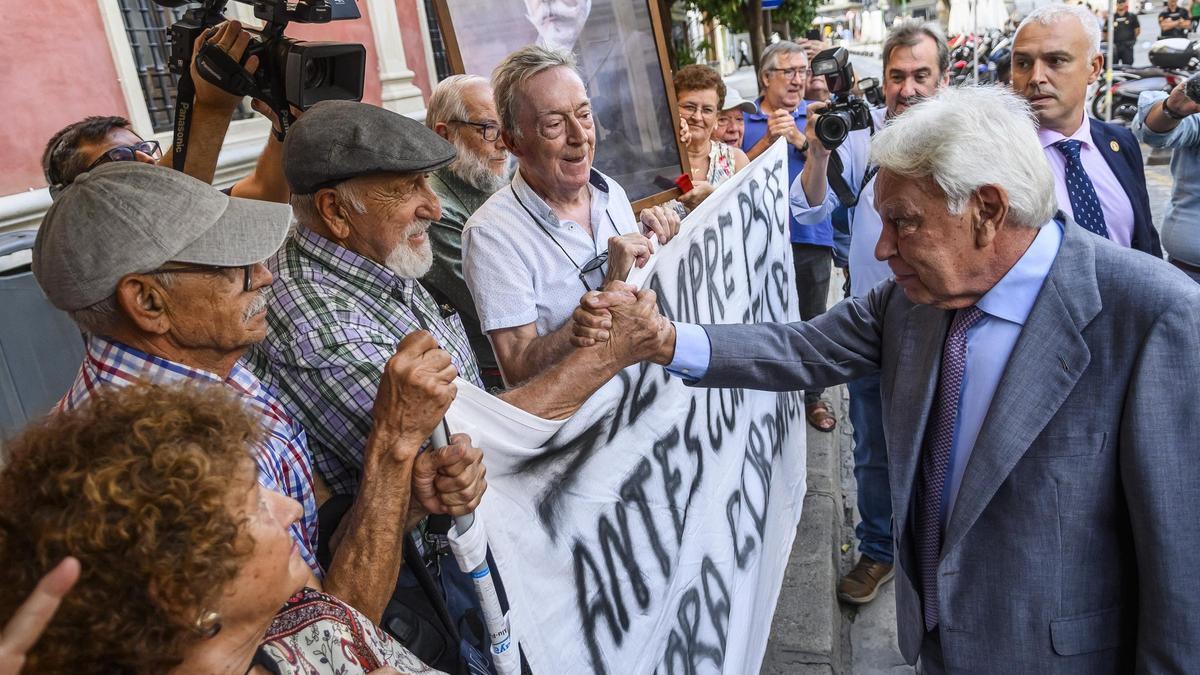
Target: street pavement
{"points": [[810, 634]]}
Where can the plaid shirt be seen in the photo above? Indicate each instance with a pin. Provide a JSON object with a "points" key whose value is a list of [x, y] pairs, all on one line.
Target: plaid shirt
{"points": [[283, 461], [334, 323]]}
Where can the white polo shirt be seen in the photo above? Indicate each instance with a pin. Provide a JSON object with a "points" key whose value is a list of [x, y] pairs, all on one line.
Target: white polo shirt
{"points": [[521, 263]]}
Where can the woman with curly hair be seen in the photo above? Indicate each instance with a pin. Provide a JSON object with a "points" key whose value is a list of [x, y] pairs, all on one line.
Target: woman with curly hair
{"points": [[186, 560], [699, 94]]}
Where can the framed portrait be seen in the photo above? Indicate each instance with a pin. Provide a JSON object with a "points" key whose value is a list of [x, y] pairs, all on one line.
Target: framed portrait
{"points": [[622, 57]]}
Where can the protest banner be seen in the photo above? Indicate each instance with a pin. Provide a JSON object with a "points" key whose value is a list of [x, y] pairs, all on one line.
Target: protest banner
{"points": [[649, 532]]}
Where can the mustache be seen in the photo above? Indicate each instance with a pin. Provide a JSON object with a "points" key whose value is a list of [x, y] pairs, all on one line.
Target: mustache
{"points": [[258, 304], [419, 226]]}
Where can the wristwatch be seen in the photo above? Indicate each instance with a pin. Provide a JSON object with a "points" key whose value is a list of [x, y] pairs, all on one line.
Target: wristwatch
{"points": [[1166, 110]]}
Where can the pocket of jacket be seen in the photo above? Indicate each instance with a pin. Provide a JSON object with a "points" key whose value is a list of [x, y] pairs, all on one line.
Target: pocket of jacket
{"points": [[1069, 445], [1091, 632]]}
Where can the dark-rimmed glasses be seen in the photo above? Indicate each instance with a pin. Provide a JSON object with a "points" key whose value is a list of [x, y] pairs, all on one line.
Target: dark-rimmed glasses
{"points": [[248, 271], [591, 266], [789, 73], [490, 130], [126, 153]]}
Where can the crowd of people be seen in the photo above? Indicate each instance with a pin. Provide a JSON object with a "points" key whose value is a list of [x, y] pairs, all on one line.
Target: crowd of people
{"points": [[241, 479]]}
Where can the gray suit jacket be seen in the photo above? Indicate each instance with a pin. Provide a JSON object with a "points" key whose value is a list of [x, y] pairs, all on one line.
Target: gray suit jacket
{"points": [[1072, 545]]}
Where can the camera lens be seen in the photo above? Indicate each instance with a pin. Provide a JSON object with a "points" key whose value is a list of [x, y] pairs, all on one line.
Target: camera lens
{"points": [[832, 128], [316, 73]]}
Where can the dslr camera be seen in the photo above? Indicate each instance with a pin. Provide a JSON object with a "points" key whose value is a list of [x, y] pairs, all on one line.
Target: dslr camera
{"points": [[290, 72], [845, 112]]}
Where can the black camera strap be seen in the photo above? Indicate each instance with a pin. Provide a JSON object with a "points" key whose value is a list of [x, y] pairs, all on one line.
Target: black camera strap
{"points": [[185, 98], [837, 182]]}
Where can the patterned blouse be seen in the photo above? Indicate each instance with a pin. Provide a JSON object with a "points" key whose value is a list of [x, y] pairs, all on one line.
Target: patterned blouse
{"points": [[720, 162], [317, 634]]}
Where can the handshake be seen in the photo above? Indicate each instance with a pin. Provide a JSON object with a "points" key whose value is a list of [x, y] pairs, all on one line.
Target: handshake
{"points": [[626, 323]]}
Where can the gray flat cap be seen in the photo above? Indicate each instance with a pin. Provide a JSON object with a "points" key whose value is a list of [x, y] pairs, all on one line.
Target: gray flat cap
{"points": [[338, 140], [128, 217]]}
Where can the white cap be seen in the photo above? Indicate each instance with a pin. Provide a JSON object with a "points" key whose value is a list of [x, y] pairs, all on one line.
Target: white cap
{"points": [[733, 99]]}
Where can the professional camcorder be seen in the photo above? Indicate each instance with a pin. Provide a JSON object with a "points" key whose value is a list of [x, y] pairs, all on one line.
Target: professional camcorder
{"points": [[845, 112], [290, 72]]}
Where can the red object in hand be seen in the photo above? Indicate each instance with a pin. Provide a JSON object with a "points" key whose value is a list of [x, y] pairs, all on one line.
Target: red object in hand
{"points": [[684, 183]]}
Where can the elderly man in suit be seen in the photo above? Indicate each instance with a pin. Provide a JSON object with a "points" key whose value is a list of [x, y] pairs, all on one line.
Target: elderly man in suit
{"points": [[1098, 174], [1039, 386]]}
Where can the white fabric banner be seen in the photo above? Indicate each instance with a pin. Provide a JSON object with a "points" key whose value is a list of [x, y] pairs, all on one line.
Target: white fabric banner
{"points": [[650, 531]]}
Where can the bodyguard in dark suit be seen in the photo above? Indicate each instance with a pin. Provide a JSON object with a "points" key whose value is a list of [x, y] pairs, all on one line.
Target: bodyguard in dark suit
{"points": [[1039, 387], [1099, 178]]}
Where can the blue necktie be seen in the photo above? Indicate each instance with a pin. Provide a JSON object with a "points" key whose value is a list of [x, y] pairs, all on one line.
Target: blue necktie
{"points": [[1085, 205], [935, 461]]}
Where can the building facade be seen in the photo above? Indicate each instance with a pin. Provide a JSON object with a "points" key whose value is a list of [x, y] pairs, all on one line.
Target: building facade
{"points": [[64, 60]]}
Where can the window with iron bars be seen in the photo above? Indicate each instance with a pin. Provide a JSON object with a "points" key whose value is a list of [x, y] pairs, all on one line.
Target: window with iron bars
{"points": [[146, 25], [436, 44]]}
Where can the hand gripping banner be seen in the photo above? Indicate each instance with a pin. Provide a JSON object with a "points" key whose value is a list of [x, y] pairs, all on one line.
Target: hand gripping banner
{"points": [[649, 532]]}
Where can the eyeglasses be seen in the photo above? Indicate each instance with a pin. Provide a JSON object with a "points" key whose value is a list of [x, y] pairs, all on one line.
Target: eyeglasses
{"points": [[490, 130], [789, 73], [126, 153], [691, 109], [247, 272], [591, 266]]}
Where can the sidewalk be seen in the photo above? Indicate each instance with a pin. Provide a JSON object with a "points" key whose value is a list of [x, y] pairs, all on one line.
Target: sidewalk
{"points": [[812, 632]]}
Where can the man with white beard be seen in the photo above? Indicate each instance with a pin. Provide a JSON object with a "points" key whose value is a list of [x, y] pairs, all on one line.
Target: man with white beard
{"points": [[461, 110], [346, 292], [558, 22]]}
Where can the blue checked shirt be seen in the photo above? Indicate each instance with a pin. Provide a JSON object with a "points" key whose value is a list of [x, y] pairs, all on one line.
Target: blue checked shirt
{"points": [[284, 464], [335, 321]]}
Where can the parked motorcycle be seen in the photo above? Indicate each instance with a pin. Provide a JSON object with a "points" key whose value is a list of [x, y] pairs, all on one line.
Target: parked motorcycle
{"points": [[1172, 60]]}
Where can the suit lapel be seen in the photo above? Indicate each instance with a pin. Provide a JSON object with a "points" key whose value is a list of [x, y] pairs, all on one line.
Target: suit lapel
{"points": [[1048, 359], [910, 402]]}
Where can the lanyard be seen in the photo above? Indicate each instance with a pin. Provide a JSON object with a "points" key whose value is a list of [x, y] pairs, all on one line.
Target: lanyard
{"points": [[590, 266]]}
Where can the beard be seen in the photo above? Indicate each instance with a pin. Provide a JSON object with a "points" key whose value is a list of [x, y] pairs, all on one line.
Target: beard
{"points": [[477, 172], [406, 262], [558, 25], [258, 304]]}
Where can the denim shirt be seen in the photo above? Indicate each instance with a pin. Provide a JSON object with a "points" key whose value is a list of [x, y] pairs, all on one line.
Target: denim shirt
{"points": [[1181, 226]]}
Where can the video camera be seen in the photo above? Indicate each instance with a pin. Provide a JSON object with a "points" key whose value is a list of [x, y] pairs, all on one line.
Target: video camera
{"points": [[845, 112], [290, 72]]}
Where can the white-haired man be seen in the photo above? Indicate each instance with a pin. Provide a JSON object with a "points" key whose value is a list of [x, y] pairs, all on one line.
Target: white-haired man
{"points": [[1043, 471], [915, 62], [462, 111], [559, 228], [346, 293], [1098, 173]]}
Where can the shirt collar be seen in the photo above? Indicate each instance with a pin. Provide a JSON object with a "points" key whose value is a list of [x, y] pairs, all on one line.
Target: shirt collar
{"points": [[597, 183], [358, 270], [1083, 134], [1013, 296], [112, 360], [759, 115]]}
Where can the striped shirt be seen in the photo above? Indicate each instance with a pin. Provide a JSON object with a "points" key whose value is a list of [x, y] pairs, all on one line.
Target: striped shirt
{"points": [[334, 323], [284, 464]]}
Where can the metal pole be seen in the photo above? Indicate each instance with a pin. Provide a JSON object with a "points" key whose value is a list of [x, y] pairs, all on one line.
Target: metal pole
{"points": [[499, 632], [1111, 52], [975, 33]]}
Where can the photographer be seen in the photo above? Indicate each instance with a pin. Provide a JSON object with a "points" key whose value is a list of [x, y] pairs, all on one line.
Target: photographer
{"points": [[1170, 121], [915, 61], [95, 140]]}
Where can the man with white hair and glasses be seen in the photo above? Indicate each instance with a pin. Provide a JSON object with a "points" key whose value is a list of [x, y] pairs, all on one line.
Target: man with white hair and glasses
{"points": [[560, 228], [461, 110], [1043, 473], [1098, 173]]}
